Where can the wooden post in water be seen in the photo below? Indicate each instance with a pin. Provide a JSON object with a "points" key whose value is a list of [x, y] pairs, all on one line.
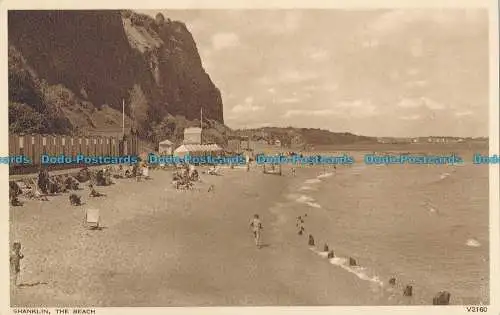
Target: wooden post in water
{"points": [[352, 262], [442, 298], [408, 291], [311, 240]]}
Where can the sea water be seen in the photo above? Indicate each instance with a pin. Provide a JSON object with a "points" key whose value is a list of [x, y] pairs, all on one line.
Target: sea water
{"points": [[425, 225]]}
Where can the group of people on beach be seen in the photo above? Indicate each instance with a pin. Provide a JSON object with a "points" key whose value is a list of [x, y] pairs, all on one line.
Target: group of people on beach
{"points": [[184, 177], [300, 224], [42, 187], [137, 171]]}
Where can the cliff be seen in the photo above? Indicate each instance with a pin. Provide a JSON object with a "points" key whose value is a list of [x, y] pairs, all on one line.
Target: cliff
{"points": [[291, 136], [70, 70]]}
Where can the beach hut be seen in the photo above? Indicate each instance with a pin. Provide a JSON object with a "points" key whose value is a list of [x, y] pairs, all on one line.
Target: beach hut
{"points": [[165, 147], [192, 135]]}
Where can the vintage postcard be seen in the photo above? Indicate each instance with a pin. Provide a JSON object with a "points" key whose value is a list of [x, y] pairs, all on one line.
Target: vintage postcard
{"points": [[308, 156]]}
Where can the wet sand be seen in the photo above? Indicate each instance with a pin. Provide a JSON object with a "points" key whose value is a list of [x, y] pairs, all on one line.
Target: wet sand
{"points": [[162, 247]]}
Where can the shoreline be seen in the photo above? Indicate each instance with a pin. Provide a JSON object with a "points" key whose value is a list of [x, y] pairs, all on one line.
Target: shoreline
{"points": [[335, 207]]}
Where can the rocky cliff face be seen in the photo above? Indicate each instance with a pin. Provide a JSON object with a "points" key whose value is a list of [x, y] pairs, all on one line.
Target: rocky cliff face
{"points": [[70, 70]]}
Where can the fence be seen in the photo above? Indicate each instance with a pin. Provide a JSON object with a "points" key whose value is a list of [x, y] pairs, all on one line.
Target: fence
{"points": [[33, 146]]}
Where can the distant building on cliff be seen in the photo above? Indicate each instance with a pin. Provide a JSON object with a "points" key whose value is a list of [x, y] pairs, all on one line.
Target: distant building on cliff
{"points": [[297, 143], [261, 141], [436, 140]]}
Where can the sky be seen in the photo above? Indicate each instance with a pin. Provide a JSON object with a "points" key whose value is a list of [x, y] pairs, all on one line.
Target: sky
{"points": [[403, 72]]}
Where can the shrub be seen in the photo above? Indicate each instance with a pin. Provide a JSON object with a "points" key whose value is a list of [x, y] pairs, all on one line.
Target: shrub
{"points": [[24, 119], [136, 20], [126, 13]]}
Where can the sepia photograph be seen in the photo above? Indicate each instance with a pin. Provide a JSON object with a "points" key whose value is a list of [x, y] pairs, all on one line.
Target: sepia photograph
{"points": [[215, 157]]}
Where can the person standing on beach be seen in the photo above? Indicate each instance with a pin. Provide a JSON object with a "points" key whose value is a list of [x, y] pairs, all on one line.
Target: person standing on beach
{"points": [[15, 263], [43, 180], [256, 226], [145, 170]]}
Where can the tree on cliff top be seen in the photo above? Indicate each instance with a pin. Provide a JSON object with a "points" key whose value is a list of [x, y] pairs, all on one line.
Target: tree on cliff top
{"points": [[160, 19]]}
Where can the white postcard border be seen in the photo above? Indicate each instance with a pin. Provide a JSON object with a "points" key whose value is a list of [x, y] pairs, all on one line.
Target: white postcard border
{"points": [[270, 4]]}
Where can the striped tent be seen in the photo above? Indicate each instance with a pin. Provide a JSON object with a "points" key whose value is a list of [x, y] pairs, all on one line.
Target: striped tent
{"points": [[197, 150]]}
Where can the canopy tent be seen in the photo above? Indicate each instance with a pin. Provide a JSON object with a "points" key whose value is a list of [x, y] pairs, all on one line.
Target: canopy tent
{"points": [[197, 150], [165, 147]]}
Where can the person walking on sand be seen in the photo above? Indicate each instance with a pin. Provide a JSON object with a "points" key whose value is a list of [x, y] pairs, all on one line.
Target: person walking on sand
{"points": [[300, 225], [15, 263], [256, 226]]}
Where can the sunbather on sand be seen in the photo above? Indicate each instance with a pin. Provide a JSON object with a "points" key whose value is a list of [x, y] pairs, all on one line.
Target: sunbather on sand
{"points": [[94, 193], [35, 192]]}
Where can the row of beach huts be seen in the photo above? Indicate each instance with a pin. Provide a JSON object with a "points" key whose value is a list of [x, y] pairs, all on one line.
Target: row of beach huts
{"points": [[33, 146]]}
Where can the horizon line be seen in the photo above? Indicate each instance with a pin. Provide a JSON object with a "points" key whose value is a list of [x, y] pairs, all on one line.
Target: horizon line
{"points": [[355, 134]]}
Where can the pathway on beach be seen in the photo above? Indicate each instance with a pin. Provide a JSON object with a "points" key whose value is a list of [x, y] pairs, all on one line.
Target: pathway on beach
{"points": [[162, 247]]}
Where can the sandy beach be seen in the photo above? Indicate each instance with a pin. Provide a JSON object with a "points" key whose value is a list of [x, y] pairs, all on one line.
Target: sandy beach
{"points": [[162, 247]]}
